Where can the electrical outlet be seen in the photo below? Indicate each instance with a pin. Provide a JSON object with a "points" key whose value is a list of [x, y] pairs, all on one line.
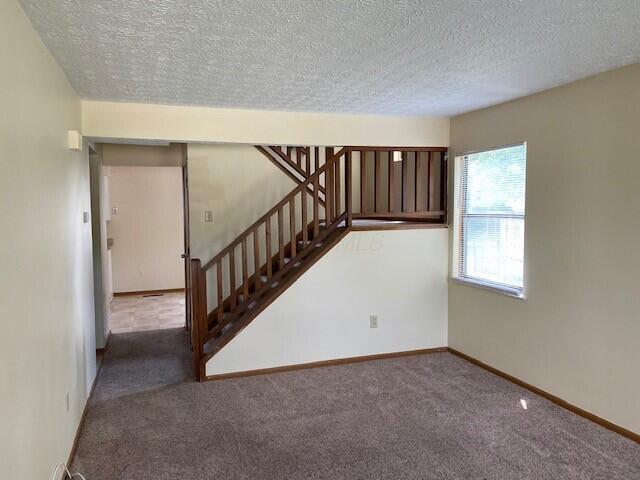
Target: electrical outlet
{"points": [[373, 321], [67, 401], [85, 217], [208, 216]]}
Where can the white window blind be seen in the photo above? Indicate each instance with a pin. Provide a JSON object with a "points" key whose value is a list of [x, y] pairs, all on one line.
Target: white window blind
{"points": [[490, 218]]}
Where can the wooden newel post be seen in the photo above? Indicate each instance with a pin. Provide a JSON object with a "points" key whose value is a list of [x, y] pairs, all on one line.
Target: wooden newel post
{"points": [[348, 188], [199, 327], [444, 193]]}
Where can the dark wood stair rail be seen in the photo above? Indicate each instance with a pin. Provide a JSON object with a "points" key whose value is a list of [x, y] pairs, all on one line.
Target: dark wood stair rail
{"points": [[220, 316], [261, 262], [303, 160], [411, 187]]}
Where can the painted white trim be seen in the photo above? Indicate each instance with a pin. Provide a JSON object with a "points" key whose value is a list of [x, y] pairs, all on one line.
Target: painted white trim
{"points": [[497, 288]]}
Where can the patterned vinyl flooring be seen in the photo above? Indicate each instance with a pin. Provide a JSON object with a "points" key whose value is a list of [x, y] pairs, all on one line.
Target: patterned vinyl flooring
{"points": [[137, 313]]}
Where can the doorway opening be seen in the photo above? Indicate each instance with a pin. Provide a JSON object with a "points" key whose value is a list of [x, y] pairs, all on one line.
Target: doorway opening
{"points": [[141, 238]]}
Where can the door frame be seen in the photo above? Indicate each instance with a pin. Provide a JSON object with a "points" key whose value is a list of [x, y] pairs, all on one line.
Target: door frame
{"points": [[186, 255]]}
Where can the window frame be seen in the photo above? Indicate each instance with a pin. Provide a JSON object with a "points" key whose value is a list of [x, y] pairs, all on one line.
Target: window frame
{"points": [[458, 229]]}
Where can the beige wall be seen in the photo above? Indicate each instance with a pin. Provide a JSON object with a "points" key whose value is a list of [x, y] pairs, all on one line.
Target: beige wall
{"points": [[47, 345], [200, 124], [577, 333], [147, 232]]}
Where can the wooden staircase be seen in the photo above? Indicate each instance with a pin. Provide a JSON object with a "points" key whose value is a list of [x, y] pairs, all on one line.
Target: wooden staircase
{"points": [[298, 162], [228, 291]]}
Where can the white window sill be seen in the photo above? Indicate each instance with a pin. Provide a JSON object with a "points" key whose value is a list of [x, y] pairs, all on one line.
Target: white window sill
{"points": [[492, 288]]}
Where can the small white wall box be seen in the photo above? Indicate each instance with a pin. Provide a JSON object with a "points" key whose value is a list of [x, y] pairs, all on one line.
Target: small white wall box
{"points": [[75, 140]]}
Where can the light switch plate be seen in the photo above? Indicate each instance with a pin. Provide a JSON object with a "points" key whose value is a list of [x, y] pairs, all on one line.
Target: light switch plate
{"points": [[85, 217], [114, 211], [75, 140], [373, 321], [208, 216]]}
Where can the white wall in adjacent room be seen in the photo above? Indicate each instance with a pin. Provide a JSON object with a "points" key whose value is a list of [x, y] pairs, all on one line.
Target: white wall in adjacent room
{"points": [[47, 346], [401, 276], [148, 230]]}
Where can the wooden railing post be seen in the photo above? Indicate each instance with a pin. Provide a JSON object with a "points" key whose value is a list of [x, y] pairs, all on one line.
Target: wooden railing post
{"points": [[200, 321], [377, 182], [328, 186], [348, 182], [338, 186], [392, 182], [316, 214], [445, 184]]}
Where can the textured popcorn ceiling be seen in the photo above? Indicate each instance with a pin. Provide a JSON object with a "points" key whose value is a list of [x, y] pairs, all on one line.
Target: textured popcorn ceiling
{"points": [[438, 57]]}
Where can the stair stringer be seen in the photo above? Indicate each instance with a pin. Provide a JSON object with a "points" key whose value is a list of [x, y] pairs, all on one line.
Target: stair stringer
{"points": [[324, 314]]}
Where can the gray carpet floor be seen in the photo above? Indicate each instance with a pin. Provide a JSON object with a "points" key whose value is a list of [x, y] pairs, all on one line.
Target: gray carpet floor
{"points": [[422, 417]]}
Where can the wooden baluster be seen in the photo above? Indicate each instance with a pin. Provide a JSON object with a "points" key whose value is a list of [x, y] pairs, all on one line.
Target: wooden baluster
{"points": [[288, 150], [245, 272], [363, 182], [338, 187], [328, 186], [317, 158], [204, 309], [292, 226], [305, 222], [392, 182], [220, 294], [232, 279], [280, 239], [348, 173], [194, 265], [256, 261], [405, 182], [200, 323], [418, 182], [316, 213], [267, 226], [444, 172], [431, 184], [307, 155], [377, 189]]}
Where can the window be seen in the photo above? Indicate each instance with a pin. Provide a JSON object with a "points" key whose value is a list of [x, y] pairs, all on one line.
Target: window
{"points": [[489, 218]]}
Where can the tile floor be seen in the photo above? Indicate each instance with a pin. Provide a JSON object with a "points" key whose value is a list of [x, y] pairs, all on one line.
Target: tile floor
{"points": [[136, 313]]}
